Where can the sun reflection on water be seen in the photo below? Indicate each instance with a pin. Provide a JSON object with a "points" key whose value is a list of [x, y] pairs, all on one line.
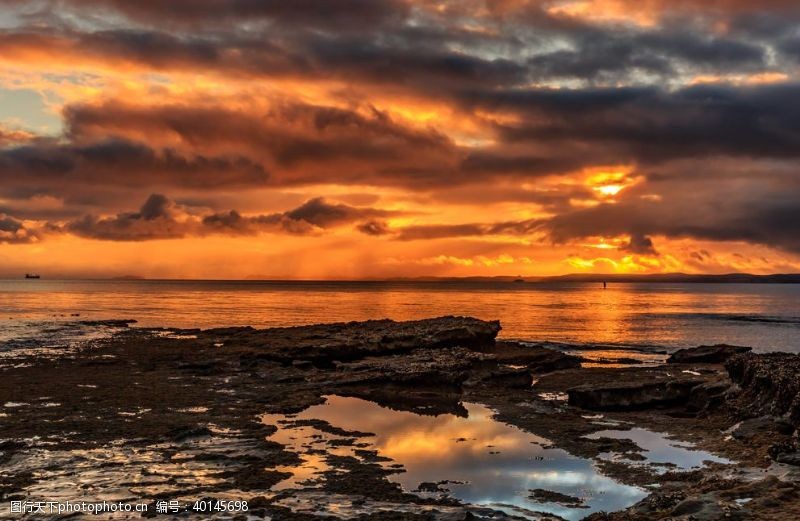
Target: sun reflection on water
{"points": [[674, 315]]}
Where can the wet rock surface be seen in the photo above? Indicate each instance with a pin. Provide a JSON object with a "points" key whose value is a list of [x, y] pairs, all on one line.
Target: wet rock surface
{"points": [[706, 354], [535, 358], [627, 395], [749, 429], [769, 385], [174, 414], [355, 340], [443, 366]]}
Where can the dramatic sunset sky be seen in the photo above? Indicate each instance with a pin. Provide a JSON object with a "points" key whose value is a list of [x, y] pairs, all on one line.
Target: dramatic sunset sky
{"points": [[378, 138]]}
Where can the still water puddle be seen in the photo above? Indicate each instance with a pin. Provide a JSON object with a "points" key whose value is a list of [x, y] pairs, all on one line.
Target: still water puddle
{"points": [[475, 459], [658, 450]]}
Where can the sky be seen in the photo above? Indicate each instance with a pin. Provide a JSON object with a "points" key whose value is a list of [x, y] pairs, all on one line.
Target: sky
{"points": [[342, 139]]}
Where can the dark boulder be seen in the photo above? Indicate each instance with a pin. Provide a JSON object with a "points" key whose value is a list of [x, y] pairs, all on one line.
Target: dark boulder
{"points": [[789, 458], [536, 358], [702, 507], [716, 354], [707, 396], [768, 425], [503, 376]]}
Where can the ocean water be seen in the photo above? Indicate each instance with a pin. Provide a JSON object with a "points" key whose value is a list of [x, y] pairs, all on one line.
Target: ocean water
{"points": [[764, 316]]}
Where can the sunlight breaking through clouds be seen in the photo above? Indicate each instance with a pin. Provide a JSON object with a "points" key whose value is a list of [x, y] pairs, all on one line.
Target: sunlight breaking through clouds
{"points": [[470, 135]]}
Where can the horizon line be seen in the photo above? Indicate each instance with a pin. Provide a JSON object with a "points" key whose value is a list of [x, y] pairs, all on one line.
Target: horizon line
{"points": [[567, 277]]}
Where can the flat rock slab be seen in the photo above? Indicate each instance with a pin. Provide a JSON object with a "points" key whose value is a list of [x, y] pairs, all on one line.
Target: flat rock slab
{"points": [[442, 366], [536, 358], [355, 340]]}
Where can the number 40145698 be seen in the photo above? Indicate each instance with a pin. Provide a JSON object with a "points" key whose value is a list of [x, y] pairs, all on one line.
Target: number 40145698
{"points": [[214, 505]]}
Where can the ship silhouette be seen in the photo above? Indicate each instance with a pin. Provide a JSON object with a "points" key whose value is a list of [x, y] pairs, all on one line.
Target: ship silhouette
{"points": [[32, 276]]}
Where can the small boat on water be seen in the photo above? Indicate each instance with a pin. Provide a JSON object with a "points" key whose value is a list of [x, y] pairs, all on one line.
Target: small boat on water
{"points": [[32, 276]]}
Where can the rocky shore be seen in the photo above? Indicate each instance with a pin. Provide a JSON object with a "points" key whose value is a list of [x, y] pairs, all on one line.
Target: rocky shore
{"points": [[157, 415]]}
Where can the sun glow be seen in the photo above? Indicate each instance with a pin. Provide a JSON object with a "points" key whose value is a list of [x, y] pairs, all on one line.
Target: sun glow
{"points": [[609, 190], [609, 183], [612, 11]]}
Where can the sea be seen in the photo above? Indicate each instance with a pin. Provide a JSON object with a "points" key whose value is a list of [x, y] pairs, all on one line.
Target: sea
{"points": [[626, 315]]}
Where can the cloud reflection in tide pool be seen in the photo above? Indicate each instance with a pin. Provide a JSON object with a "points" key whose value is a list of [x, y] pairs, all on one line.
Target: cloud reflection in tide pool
{"points": [[659, 450], [486, 462]]}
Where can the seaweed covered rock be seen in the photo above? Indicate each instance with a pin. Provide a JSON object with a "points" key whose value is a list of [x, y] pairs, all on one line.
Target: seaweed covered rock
{"points": [[769, 385]]}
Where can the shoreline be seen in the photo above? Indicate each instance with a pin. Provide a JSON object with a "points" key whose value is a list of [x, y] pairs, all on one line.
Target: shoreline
{"points": [[191, 400]]}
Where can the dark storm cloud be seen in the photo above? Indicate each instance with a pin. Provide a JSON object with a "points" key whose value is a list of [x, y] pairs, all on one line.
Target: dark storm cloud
{"points": [[158, 50], [756, 203], [313, 215], [320, 212], [306, 144], [791, 48], [551, 199], [759, 222], [279, 54], [765, 224], [425, 69], [61, 168], [316, 13], [442, 231], [608, 56], [499, 162], [162, 218], [298, 143], [13, 231], [233, 223], [640, 244], [157, 206], [374, 227], [570, 128], [420, 49], [652, 124], [155, 220]]}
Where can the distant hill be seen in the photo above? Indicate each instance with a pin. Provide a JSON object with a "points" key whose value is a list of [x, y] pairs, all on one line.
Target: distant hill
{"points": [[788, 278], [779, 278]]}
